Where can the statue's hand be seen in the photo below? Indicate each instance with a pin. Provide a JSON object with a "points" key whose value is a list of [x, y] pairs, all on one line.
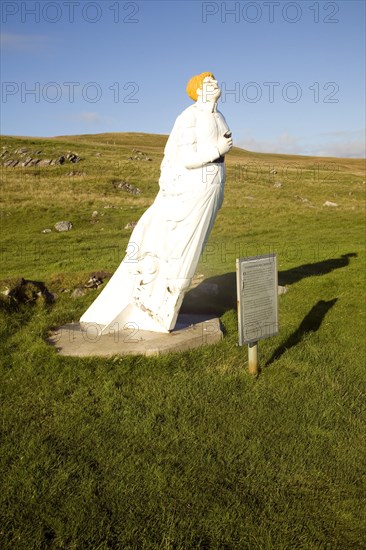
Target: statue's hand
{"points": [[224, 144]]}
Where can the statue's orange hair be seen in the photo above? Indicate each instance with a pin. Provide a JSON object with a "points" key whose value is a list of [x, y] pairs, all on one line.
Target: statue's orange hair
{"points": [[196, 83]]}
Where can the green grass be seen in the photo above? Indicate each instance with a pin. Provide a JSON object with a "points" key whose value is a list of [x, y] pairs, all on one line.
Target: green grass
{"points": [[185, 451]]}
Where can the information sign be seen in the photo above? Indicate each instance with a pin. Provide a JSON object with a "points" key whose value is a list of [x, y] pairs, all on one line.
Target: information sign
{"points": [[257, 283]]}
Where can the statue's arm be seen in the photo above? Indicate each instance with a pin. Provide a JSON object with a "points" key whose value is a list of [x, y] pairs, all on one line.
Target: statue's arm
{"points": [[207, 146]]}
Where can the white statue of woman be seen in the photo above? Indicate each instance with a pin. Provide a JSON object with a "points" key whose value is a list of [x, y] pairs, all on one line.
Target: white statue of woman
{"points": [[147, 289]]}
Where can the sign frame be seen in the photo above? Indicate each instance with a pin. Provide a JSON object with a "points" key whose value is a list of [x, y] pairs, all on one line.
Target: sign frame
{"points": [[260, 307]]}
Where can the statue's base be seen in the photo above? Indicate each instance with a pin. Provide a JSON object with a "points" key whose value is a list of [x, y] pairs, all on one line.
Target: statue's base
{"points": [[191, 331]]}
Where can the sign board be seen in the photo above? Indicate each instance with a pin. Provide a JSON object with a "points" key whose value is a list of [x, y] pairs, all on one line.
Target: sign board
{"points": [[256, 283]]}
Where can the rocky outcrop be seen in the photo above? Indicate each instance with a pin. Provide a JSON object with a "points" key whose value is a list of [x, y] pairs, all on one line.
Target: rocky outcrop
{"points": [[26, 291], [63, 226], [125, 186], [15, 158], [139, 155]]}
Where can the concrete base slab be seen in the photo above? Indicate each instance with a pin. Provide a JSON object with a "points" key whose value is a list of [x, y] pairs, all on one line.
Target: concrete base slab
{"points": [[191, 331]]}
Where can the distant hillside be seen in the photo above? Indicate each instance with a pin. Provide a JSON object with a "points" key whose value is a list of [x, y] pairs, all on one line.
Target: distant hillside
{"points": [[270, 199], [156, 142]]}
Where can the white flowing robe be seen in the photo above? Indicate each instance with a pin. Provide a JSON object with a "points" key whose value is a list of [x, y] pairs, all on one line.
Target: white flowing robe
{"points": [[147, 289]]}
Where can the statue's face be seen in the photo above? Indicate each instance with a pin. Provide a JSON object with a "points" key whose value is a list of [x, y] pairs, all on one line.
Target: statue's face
{"points": [[210, 91]]}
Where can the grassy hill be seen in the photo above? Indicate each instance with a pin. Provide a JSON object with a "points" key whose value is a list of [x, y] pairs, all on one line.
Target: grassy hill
{"points": [[184, 451]]}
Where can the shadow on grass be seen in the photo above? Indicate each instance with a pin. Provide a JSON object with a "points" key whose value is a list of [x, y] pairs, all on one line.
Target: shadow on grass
{"points": [[218, 294], [311, 323], [214, 295], [295, 274]]}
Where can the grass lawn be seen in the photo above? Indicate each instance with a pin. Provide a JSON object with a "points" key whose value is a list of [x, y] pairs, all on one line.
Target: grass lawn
{"points": [[184, 451]]}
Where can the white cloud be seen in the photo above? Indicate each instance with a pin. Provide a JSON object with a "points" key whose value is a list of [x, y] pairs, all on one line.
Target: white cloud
{"points": [[22, 42], [346, 144], [284, 143], [343, 143], [351, 149]]}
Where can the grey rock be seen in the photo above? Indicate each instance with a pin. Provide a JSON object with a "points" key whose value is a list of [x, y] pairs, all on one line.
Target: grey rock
{"points": [[302, 199], [73, 174], [47, 230], [139, 155], [277, 185], [27, 161], [330, 203], [125, 186], [73, 157], [63, 226], [78, 292], [27, 291], [94, 282], [59, 160], [130, 225], [44, 162], [101, 274]]}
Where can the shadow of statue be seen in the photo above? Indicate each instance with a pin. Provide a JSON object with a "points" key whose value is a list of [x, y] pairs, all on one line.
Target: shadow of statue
{"points": [[295, 274], [217, 294], [311, 323], [214, 295]]}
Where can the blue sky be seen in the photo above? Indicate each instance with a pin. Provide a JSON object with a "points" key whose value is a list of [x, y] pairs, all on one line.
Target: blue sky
{"points": [[292, 73]]}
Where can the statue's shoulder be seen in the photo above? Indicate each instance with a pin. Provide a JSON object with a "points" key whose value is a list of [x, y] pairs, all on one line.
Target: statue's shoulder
{"points": [[188, 117]]}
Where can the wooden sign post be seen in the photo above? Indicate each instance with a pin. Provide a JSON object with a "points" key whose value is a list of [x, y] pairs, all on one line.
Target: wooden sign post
{"points": [[253, 365], [257, 284]]}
